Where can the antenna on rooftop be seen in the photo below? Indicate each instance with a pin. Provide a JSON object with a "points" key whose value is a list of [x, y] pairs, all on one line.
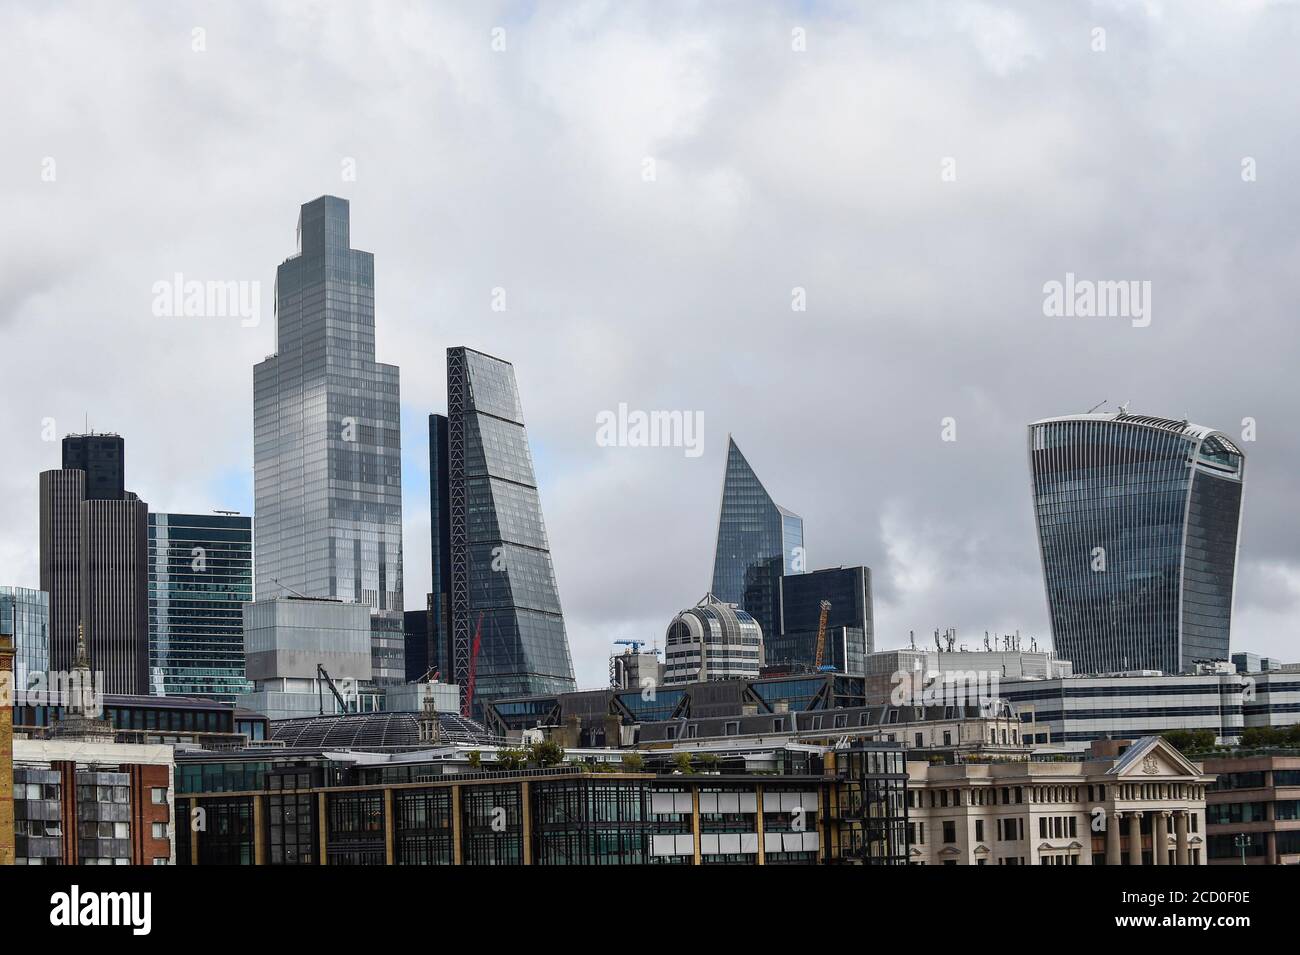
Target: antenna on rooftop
{"points": [[1096, 406]]}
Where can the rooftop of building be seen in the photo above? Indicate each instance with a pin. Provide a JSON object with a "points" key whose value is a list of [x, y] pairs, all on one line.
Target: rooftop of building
{"points": [[375, 731]]}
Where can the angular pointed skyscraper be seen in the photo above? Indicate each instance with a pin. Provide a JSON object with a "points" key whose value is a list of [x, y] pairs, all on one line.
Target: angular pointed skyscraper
{"points": [[327, 450], [758, 542], [504, 628]]}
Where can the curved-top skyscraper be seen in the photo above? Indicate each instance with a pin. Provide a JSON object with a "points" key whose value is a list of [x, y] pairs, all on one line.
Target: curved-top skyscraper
{"points": [[1138, 520]]}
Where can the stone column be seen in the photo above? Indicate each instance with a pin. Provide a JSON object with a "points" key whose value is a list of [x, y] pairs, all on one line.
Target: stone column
{"points": [[1112, 838], [1160, 838], [1135, 838], [1181, 855]]}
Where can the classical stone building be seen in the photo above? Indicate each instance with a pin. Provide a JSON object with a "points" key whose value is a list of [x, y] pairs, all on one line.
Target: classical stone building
{"points": [[1126, 803]]}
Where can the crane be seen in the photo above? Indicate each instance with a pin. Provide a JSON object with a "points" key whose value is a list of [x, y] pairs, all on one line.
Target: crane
{"points": [[323, 675], [467, 707], [821, 635]]}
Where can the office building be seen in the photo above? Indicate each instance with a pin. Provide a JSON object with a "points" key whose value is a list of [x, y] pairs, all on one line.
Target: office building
{"points": [[302, 651], [25, 616], [758, 542], [94, 547], [328, 806], [849, 637], [6, 754], [1068, 714], [712, 641], [327, 445], [200, 576], [415, 628], [1253, 809], [506, 630], [1149, 799], [892, 674], [1138, 521], [103, 459], [438, 601]]}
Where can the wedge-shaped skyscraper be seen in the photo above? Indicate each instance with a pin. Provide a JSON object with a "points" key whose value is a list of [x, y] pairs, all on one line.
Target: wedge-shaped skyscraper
{"points": [[1138, 521], [504, 630], [758, 542]]}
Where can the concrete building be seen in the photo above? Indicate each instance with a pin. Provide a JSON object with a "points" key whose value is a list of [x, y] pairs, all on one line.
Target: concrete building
{"points": [[887, 670], [94, 547], [288, 638], [1138, 803], [634, 669], [1253, 809]]}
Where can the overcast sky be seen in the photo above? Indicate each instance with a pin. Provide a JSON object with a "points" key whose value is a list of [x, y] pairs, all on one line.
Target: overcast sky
{"points": [[130, 156]]}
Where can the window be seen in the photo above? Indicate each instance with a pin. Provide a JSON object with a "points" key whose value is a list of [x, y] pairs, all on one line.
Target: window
{"points": [[949, 831], [159, 795], [979, 832], [732, 728], [160, 830]]}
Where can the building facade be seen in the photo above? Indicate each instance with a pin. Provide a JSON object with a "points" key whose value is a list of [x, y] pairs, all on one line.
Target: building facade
{"points": [[758, 542], [1070, 713], [200, 576], [1138, 520], [327, 438], [849, 630], [25, 617], [816, 807], [1253, 809], [94, 547], [287, 642], [712, 641], [506, 628], [1132, 804], [78, 802]]}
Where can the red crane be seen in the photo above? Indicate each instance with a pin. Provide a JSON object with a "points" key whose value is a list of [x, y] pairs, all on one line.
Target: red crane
{"points": [[467, 707]]}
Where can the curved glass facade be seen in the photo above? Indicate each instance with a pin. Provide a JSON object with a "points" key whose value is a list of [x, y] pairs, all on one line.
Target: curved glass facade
{"points": [[1137, 522]]}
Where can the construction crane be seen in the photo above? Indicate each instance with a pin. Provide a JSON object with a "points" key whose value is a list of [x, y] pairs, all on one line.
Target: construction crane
{"points": [[821, 635], [323, 675], [467, 707], [636, 645]]}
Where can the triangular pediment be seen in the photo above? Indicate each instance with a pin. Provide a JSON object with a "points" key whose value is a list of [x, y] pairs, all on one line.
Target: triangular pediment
{"points": [[1152, 757]]}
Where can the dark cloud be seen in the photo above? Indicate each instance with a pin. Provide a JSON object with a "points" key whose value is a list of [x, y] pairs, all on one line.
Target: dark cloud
{"points": [[773, 169]]}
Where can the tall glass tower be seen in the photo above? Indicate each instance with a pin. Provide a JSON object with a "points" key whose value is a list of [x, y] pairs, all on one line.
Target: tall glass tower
{"points": [[758, 542], [507, 634], [327, 438], [200, 577], [1138, 520]]}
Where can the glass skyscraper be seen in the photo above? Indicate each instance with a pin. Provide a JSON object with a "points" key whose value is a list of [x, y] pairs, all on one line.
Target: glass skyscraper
{"points": [[200, 576], [758, 542], [327, 439], [1138, 521], [25, 616], [507, 634]]}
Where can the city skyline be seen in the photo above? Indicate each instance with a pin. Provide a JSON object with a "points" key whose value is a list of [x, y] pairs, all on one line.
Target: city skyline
{"points": [[924, 297]]}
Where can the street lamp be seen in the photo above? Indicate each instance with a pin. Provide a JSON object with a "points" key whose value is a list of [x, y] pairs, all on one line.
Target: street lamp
{"points": [[1242, 842]]}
